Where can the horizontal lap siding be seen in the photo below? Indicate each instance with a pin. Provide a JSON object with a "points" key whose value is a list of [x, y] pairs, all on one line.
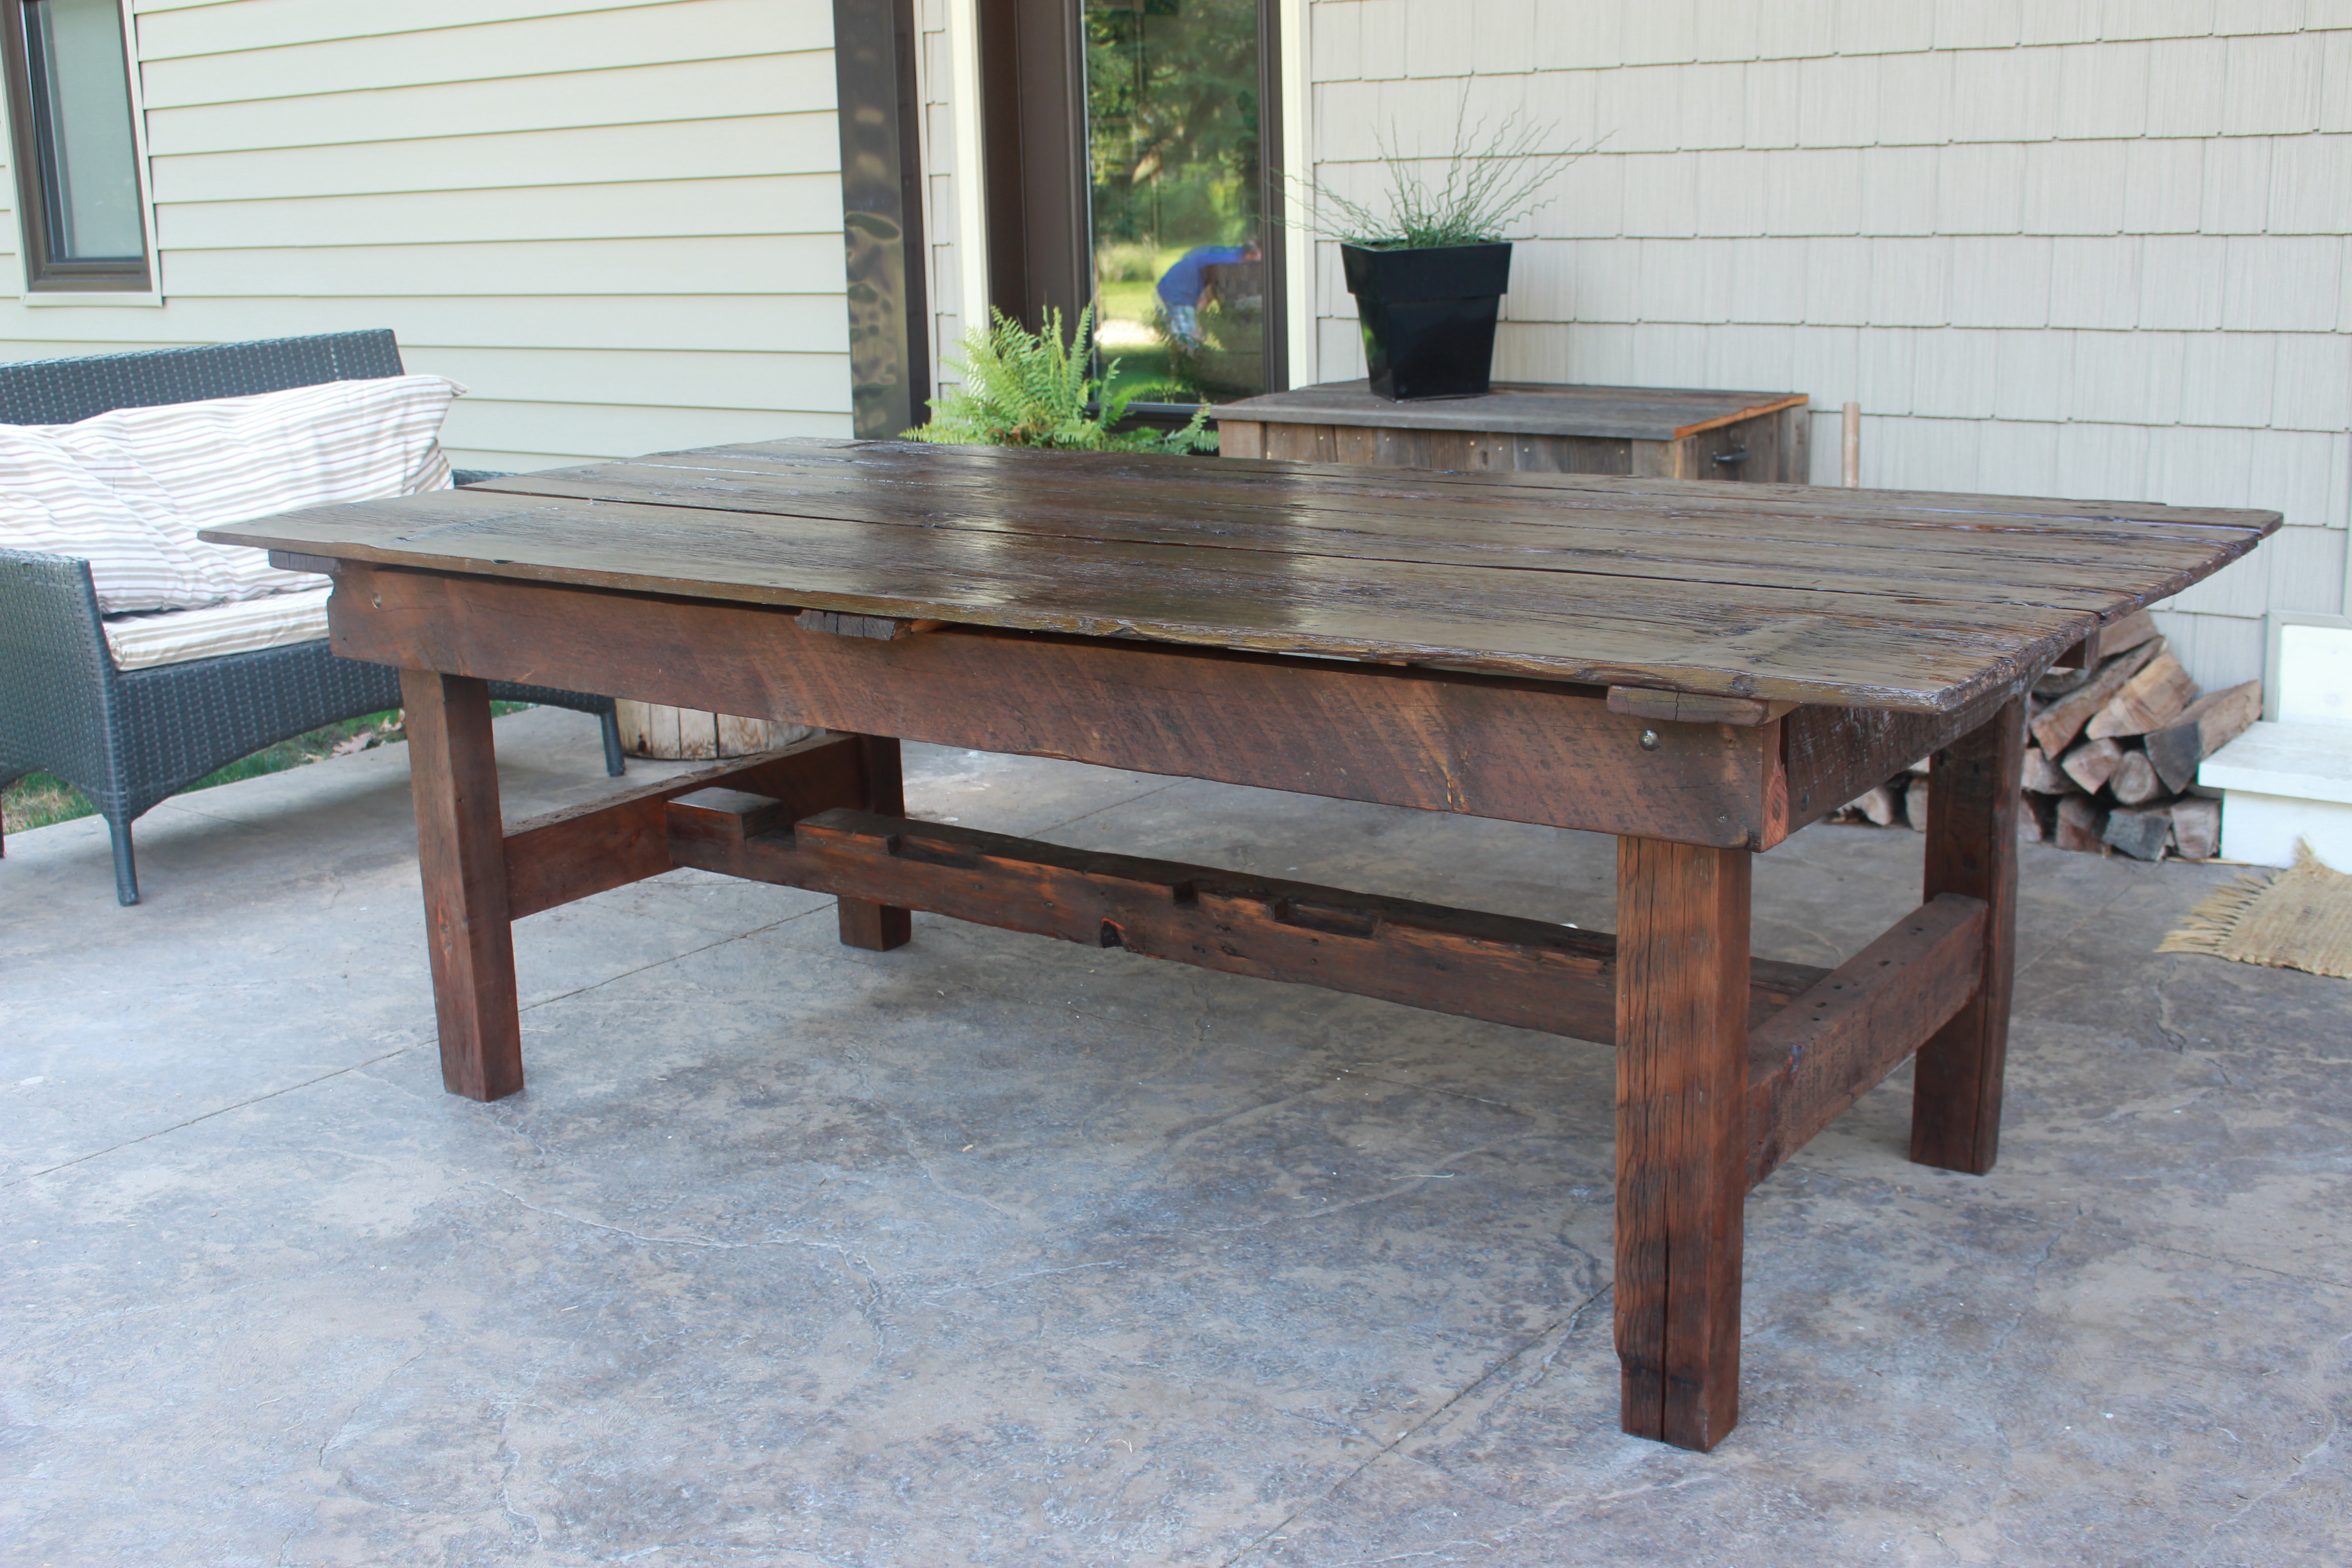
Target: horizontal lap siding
{"points": [[618, 224], [2076, 250]]}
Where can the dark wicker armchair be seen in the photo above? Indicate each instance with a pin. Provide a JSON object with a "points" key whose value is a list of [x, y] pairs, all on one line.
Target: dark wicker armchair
{"points": [[130, 738]]}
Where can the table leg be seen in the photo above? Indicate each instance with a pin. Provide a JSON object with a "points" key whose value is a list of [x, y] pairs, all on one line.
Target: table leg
{"points": [[1682, 1153], [877, 927], [461, 850], [1972, 805]]}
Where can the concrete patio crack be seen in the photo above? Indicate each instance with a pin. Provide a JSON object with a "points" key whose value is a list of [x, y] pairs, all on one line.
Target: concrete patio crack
{"points": [[207, 1116], [1383, 1450]]}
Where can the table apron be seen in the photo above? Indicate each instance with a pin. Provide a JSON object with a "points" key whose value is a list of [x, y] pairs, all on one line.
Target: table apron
{"points": [[1518, 750]]}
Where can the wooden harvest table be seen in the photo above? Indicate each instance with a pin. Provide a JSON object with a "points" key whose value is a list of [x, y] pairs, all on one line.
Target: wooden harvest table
{"points": [[1698, 669]]}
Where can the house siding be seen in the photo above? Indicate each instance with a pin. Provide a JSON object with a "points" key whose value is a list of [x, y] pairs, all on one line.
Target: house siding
{"points": [[618, 224], [2084, 250]]}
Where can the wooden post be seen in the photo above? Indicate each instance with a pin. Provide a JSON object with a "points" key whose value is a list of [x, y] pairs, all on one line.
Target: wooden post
{"points": [[879, 927], [1851, 453], [1972, 805], [461, 851], [1681, 1146]]}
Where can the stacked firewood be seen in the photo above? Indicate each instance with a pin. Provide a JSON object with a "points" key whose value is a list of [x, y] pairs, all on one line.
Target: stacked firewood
{"points": [[2114, 751]]}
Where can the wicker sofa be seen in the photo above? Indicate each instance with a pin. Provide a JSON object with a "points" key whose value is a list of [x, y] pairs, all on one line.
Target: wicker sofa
{"points": [[130, 738]]}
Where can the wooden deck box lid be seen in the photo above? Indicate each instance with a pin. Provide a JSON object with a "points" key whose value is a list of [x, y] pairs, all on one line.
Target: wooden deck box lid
{"points": [[1525, 408]]}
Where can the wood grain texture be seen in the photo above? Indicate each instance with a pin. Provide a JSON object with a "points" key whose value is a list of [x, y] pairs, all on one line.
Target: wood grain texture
{"points": [[1241, 438], [1519, 751], [2212, 722], [582, 850], [2153, 697], [1831, 1045], [2055, 727], [1642, 413], [453, 778], [1834, 756], [1972, 851], [1781, 594], [1532, 975], [1793, 552], [1682, 1148]]}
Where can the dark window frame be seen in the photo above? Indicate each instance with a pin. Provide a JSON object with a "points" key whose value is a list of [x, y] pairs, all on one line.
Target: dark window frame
{"points": [[44, 272], [1037, 208]]}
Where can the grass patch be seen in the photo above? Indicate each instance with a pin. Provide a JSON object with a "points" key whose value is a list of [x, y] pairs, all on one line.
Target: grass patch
{"points": [[36, 800]]}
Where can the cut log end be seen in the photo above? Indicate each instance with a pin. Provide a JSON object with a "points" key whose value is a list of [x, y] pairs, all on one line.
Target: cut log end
{"points": [[2140, 832]]}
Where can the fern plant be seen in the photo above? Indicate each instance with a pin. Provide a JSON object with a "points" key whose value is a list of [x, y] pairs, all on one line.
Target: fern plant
{"points": [[1021, 388]]}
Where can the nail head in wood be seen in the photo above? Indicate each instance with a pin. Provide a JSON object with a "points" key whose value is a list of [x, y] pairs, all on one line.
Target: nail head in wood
{"points": [[1689, 707]]}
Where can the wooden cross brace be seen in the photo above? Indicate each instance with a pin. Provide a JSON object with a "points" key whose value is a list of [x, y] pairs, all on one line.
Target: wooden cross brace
{"points": [[1819, 1039]]}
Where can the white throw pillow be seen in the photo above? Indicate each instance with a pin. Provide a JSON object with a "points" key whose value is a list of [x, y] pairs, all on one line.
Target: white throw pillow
{"points": [[105, 509], [231, 459]]}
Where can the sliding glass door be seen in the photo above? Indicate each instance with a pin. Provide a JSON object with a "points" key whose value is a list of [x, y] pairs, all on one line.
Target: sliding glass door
{"points": [[1128, 169], [1177, 192]]}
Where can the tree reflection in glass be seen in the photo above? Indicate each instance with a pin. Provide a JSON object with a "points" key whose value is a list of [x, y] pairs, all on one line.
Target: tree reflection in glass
{"points": [[1173, 128]]}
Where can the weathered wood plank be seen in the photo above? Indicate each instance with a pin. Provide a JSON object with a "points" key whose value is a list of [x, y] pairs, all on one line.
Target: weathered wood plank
{"points": [[1520, 750], [1241, 438], [1526, 408], [1682, 1157], [1910, 606], [454, 777], [1972, 850], [1933, 511], [1776, 643], [1835, 754], [2111, 638], [1528, 973], [1829, 554], [1829, 1047]]}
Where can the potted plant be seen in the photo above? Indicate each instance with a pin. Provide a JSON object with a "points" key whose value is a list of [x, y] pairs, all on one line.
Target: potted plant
{"points": [[1021, 388], [1429, 272]]}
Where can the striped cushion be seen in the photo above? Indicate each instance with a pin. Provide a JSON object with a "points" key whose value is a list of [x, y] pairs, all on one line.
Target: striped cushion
{"points": [[230, 459], [106, 510], [174, 637]]}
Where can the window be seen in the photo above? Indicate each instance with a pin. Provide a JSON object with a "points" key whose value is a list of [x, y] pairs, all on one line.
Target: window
{"points": [[77, 158], [1126, 168]]}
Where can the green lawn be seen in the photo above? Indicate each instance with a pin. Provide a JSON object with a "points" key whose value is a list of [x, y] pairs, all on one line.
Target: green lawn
{"points": [[36, 800]]}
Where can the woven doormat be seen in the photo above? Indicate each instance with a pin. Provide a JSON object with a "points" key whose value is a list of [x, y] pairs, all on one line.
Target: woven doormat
{"points": [[2298, 919]]}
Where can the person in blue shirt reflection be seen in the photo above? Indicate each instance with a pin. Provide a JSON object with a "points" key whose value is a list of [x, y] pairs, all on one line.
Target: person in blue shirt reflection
{"points": [[1181, 286]]}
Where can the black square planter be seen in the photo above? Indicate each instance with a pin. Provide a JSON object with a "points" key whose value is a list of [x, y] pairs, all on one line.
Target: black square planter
{"points": [[1429, 316]]}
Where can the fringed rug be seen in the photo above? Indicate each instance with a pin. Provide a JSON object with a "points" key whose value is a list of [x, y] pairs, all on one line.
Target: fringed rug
{"points": [[2299, 919]]}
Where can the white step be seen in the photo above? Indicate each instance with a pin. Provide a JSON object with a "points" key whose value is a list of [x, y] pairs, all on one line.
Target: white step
{"points": [[2284, 782], [2315, 675]]}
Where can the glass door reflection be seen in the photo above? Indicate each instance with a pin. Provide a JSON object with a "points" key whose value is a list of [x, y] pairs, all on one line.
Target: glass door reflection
{"points": [[1177, 191]]}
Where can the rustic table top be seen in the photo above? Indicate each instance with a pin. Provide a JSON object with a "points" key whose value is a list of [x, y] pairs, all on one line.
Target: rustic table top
{"points": [[1520, 408], [1854, 598]]}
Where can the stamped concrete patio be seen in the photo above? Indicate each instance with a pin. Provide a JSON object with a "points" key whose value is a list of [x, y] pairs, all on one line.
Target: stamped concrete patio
{"points": [[994, 1250]]}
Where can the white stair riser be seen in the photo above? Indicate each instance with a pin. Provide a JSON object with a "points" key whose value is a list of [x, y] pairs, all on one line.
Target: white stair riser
{"points": [[2262, 829]]}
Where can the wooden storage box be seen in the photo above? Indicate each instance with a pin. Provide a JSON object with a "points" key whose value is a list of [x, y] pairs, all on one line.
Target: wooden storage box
{"points": [[1643, 431]]}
